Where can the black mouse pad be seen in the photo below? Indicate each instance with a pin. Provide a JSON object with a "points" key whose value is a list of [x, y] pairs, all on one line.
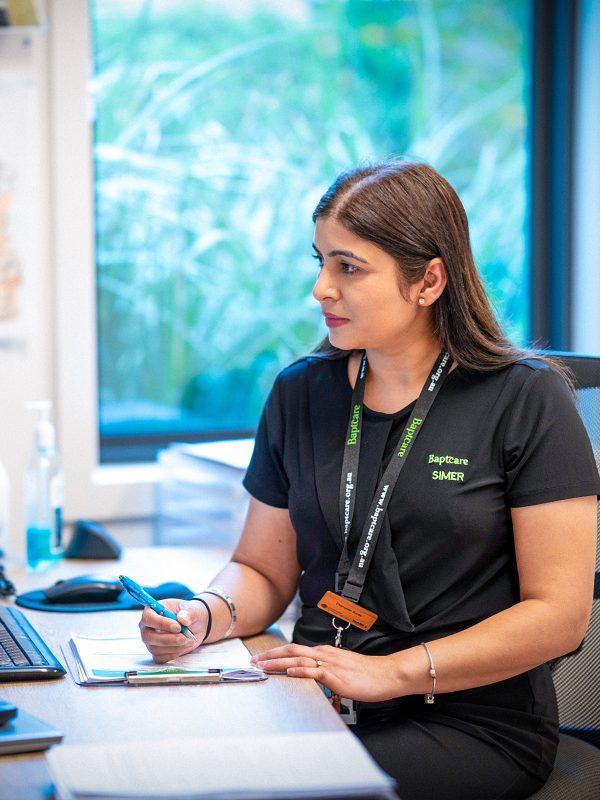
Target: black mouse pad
{"points": [[38, 601]]}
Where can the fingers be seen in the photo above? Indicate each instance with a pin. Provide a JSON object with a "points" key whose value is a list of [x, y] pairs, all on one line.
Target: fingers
{"points": [[285, 664], [166, 646], [162, 636], [153, 621], [286, 651], [296, 660], [170, 637], [193, 615], [314, 672], [162, 653]]}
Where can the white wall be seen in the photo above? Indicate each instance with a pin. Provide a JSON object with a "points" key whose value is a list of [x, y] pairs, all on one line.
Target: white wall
{"points": [[26, 369], [51, 232]]}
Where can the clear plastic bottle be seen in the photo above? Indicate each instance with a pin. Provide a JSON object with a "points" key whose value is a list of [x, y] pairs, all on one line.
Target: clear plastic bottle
{"points": [[44, 489], [4, 510]]}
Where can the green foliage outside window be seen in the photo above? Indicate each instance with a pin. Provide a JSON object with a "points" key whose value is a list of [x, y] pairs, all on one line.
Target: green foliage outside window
{"points": [[217, 128]]}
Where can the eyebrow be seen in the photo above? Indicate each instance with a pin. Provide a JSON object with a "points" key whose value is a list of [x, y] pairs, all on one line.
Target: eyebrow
{"points": [[346, 253]]}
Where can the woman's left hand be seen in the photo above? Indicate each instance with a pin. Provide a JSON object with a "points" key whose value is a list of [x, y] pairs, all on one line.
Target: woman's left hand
{"points": [[349, 674]]}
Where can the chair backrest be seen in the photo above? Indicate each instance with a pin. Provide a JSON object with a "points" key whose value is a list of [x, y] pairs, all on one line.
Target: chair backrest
{"points": [[577, 677]]}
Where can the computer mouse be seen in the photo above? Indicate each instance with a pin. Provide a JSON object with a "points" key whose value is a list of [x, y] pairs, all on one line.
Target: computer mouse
{"points": [[84, 589]]}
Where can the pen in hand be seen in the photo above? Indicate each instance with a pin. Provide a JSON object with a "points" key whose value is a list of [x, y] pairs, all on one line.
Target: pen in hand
{"points": [[142, 596]]}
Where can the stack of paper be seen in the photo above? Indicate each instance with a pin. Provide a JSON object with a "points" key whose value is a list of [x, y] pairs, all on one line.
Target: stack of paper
{"points": [[234, 453], [279, 767], [124, 659]]}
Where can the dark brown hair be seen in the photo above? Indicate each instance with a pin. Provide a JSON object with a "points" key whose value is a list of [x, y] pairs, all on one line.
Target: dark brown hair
{"points": [[412, 213]]}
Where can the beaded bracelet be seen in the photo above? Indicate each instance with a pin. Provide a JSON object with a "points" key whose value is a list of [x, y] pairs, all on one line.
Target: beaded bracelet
{"points": [[429, 698], [230, 605], [209, 612]]}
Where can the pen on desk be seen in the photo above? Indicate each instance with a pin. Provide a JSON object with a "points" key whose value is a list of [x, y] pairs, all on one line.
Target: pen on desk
{"points": [[141, 595]]}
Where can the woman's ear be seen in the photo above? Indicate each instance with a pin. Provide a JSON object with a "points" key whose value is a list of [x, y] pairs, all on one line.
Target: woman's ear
{"points": [[433, 282]]}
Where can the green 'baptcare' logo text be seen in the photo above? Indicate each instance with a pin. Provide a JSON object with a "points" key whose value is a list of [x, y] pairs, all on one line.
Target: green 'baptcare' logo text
{"points": [[410, 432], [354, 429], [447, 475]]}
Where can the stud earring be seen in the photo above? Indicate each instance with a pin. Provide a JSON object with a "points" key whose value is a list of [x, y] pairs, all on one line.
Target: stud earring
{"points": [[421, 301]]}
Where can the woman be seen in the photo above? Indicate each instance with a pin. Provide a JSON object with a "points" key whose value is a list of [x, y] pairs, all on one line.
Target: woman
{"points": [[425, 471]]}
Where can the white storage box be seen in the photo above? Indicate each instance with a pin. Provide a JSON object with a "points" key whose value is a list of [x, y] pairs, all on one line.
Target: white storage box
{"points": [[200, 498]]}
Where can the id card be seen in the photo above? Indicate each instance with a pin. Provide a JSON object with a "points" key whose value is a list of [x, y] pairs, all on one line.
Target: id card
{"points": [[346, 708], [341, 608]]}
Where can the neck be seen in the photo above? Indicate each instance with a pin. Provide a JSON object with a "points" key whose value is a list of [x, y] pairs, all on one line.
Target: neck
{"points": [[407, 368], [395, 379]]}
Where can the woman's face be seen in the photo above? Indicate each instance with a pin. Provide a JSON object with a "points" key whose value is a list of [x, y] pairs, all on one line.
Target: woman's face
{"points": [[359, 292]]}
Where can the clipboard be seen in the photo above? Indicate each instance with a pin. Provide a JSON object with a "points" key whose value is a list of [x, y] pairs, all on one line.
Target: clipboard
{"points": [[169, 678], [123, 660]]}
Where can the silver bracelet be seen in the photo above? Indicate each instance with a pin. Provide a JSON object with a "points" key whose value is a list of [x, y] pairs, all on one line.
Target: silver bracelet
{"points": [[230, 605], [429, 698]]}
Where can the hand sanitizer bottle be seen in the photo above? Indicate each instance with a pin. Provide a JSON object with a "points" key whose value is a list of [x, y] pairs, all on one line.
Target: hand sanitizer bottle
{"points": [[4, 506], [44, 489]]}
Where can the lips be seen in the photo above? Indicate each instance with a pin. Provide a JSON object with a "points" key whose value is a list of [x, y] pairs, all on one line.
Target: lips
{"points": [[332, 321]]}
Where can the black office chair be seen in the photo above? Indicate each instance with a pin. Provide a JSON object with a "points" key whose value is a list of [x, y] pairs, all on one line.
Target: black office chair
{"points": [[576, 774]]}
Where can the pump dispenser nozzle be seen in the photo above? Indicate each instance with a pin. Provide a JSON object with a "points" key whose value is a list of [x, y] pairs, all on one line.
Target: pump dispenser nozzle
{"points": [[45, 436], [44, 491]]}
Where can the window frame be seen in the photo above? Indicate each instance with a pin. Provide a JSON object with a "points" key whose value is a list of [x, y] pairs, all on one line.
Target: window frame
{"points": [[92, 490], [552, 137], [565, 174], [585, 320]]}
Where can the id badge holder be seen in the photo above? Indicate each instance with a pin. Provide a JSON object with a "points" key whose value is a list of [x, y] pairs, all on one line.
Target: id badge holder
{"points": [[352, 614], [342, 608]]}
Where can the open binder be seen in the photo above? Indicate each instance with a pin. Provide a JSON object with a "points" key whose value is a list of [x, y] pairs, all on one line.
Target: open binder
{"points": [[98, 660]]}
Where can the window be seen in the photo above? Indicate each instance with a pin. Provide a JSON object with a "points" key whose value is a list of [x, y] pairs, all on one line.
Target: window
{"points": [[217, 126]]}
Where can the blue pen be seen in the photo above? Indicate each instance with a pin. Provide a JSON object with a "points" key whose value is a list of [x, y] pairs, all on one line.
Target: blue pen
{"points": [[142, 596]]}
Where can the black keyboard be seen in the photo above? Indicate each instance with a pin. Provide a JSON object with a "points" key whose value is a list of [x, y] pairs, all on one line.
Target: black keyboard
{"points": [[23, 653]]}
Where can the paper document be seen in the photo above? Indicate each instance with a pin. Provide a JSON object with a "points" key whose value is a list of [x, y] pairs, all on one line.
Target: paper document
{"points": [[124, 659], [277, 767]]}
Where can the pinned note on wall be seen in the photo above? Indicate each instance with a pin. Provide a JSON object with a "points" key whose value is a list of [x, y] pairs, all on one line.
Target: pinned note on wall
{"points": [[18, 13]]}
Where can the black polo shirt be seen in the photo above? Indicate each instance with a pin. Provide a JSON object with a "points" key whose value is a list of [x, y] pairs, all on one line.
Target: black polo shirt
{"points": [[445, 557]]}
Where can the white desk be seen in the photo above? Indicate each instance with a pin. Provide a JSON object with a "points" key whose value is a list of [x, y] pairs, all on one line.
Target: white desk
{"points": [[88, 715]]}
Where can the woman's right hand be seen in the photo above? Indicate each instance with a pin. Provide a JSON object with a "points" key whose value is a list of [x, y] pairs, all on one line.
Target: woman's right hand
{"points": [[162, 636]]}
